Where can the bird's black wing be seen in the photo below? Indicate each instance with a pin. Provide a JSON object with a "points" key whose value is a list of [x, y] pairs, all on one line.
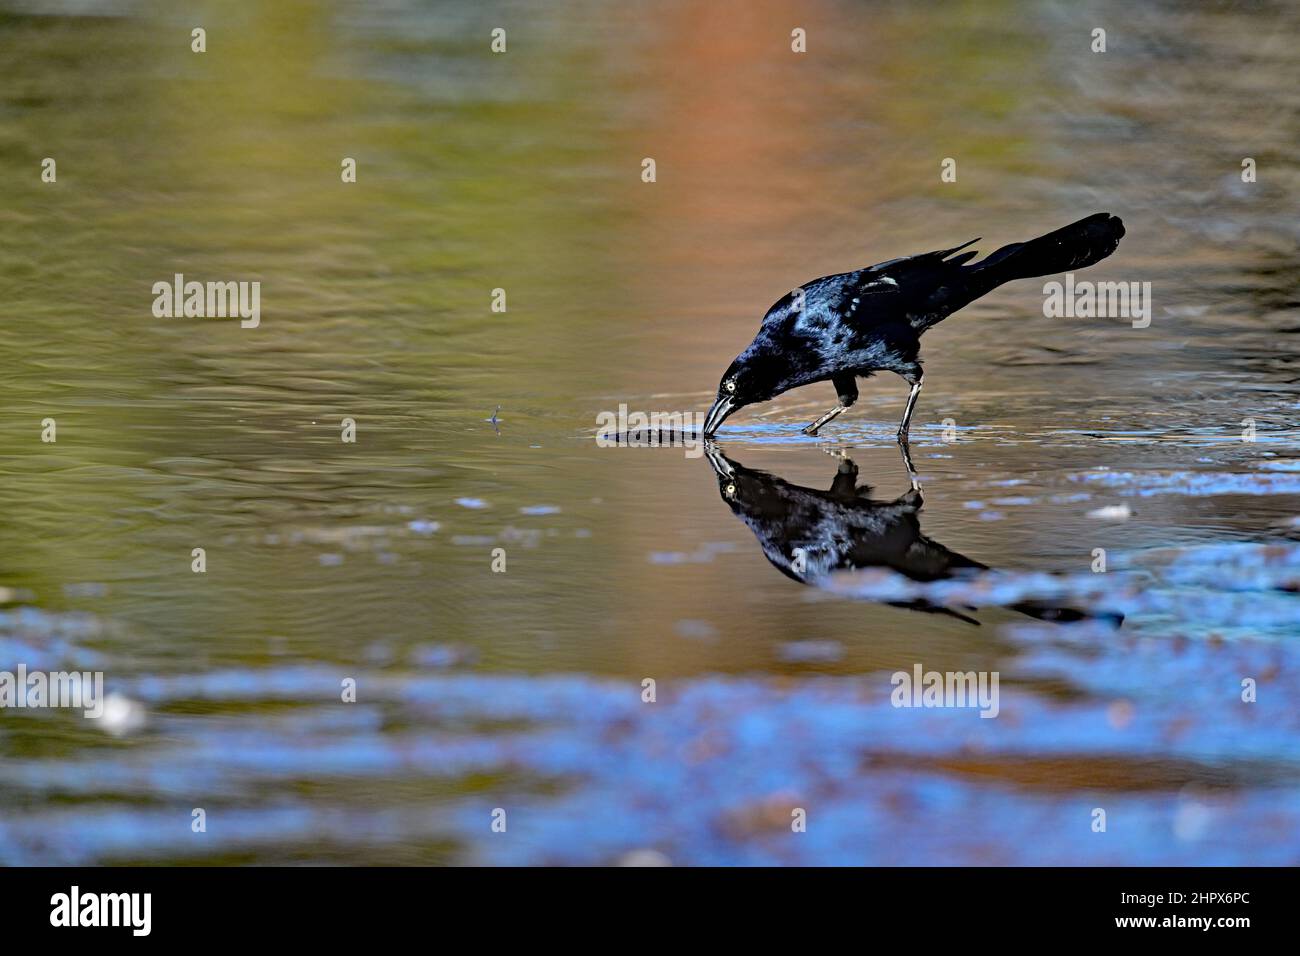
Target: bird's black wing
{"points": [[894, 286]]}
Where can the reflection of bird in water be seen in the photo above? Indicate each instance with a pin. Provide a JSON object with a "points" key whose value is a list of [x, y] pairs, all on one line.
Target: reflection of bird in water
{"points": [[807, 534]]}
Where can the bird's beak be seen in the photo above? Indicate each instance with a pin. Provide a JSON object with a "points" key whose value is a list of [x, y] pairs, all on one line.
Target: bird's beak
{"points": [[718, 414]]}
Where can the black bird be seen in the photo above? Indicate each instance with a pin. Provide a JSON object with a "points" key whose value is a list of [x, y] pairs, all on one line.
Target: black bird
{"points": [[808, 534], [847, 326]]}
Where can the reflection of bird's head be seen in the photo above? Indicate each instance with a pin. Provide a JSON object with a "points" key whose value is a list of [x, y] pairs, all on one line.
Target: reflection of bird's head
{"points": [[749, 492]]}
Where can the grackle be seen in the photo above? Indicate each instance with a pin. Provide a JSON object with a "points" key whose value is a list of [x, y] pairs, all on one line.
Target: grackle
{"points": [[847, 326]]}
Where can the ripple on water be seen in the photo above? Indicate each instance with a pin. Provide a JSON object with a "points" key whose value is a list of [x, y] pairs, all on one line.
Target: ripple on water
{"points": [[712, 775]]}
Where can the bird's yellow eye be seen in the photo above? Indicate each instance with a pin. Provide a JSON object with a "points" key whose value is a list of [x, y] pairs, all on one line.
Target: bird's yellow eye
{"points": [[729, 384], [731, 490]]}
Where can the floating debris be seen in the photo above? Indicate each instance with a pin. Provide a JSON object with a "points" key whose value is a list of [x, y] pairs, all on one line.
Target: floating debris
{"points": [[121, 715], [1111, 513]]}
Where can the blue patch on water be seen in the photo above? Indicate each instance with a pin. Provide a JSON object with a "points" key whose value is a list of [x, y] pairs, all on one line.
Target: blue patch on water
{"points": [[709, 774]]}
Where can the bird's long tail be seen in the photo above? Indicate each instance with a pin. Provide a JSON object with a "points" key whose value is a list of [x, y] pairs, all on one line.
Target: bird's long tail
{"points": [[1075, 246]]}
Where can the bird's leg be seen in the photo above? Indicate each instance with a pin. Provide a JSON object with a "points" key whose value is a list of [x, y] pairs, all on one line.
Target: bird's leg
{"points": [[847, 390], [914, 378], [832, 414]]}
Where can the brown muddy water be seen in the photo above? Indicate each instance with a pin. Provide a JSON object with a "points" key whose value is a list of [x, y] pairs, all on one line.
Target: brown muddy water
{"points": [[1039, 442]]}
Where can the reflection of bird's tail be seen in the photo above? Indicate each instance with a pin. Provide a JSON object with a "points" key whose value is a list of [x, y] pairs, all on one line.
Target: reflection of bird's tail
{"points": [[1075, 246]]}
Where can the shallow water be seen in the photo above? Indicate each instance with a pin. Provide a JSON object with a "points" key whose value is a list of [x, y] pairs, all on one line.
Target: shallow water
{"points": [[1036, 441]]}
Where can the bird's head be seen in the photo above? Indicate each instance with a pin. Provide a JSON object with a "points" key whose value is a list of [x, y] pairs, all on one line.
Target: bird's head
{"points": [[746, 381]]}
